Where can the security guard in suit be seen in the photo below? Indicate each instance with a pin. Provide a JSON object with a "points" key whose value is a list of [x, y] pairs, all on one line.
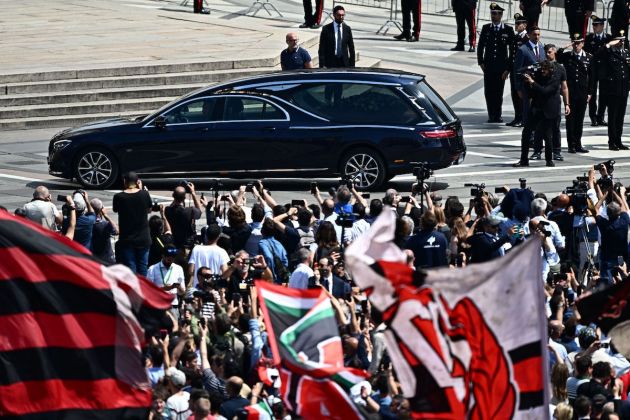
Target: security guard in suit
{"points": [[593, 43], [520, 38], [615, 83], [577, 13], [411, 10], [577, 64], [493, 56]]}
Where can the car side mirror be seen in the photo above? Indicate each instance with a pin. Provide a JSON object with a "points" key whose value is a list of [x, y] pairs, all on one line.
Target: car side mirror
{"points": [[160, 122]]}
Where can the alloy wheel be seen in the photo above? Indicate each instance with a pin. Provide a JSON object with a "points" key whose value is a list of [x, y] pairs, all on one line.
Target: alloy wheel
{"points": [[95, 169], [363, 169]]}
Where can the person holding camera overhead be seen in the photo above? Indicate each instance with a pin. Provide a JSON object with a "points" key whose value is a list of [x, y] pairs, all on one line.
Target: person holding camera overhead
{"points": [[211, 255], [85, 219], [182, 218], [132, 205]]}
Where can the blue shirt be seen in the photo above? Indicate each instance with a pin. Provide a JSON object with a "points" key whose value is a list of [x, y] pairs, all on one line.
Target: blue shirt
{"points": [[83, 229], [429, 249], [294, 60]]}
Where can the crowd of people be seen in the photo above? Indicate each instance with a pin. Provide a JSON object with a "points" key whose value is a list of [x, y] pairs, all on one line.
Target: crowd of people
{"points": [[206, 366]]}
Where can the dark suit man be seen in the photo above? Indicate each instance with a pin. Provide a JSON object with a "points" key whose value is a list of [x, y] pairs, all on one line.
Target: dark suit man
{"points": [[520, 39], [577, 13], [340, 289], [465, 15], [411, 10], [615, 84], [593, 43], [531, 10], [544, 89], [336, 46], [577, 64], [529, 53], [493, 57]]}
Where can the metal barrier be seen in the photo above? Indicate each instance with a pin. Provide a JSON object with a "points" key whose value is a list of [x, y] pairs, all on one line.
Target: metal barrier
{"points": [[257, 5], [390, 5]]}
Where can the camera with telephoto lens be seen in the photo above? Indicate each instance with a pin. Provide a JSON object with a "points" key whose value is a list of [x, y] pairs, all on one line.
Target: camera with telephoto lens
{"points": [[578, 197], [422, 171], [345, 219], [477, 190], [531, 70], [249, 187], [205, 296], [605, 182], [184, 183], [545, 227], [155, 206], [609, 165]]}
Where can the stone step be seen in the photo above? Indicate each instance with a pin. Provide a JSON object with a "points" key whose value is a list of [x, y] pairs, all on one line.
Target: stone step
{"points": [[65, 120], [97, 107], [97, 95], [206, 77]]}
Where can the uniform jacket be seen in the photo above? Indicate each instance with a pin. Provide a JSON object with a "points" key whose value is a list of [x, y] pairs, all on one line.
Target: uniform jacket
{"points": [[493, 48], [579, 73], [525, 57], [614, 71], [517, 42], [327, 46], [592, 45]]}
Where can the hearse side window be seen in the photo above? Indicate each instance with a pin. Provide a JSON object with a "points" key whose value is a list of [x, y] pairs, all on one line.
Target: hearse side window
{"points": [[195, 111], [430, 100], [248, 109], [355, 103]]}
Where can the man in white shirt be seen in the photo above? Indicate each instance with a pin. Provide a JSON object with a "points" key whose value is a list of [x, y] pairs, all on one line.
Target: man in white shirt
{"points": [[41, 210], [303, 272], [168, 276], [178, 401], [212, 256]]}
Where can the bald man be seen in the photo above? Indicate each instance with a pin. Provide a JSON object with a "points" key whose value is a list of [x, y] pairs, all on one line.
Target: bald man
{"points": [[41, 210], [295, 57], [235, 401]]}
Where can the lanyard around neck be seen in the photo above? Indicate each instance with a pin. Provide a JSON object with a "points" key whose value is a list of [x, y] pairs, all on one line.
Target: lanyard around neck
{"points": [[168, 274]]}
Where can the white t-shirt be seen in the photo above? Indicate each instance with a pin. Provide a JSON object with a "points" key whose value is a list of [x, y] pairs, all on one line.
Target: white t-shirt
{"points": [[42, 212], [178, 406], [211, 256], [162, 276], [299, 278]]}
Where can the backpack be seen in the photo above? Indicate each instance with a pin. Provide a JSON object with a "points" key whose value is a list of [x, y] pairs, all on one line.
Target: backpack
{"points": [[307, 238]]}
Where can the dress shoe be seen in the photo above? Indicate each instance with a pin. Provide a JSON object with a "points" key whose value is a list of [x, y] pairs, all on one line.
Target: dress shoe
{"points": [[622, 147], [520, 164], [316, 26], [304, 25], [571, 150], [458, 48], [602, 122], [512, 123], [471, 49], [499, 120], [413, 39], [558, 157], [613, 147], [550, 163], [402, 37], [581, 150], [594, 123], [535, 156], [518, 124]]}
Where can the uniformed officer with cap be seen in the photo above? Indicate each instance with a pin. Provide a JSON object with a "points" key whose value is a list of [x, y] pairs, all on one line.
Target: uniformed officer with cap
{"points": [[493, 56], [577, 13], [577, 64], [593, 43], [520, 38], [411, 9], [615, 83], [465, 15]]}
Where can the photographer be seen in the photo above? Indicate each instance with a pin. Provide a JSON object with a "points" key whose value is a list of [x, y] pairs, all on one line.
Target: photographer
{"points": [[548, 251], [168, 276], [41, 210], [85, 219], [539, 207], [182, 218], [613, 231], [273, 252], [132, 205], [428, 245], [102, 232], [242, 272], [485, 243], [160, 231], [212, 256]]}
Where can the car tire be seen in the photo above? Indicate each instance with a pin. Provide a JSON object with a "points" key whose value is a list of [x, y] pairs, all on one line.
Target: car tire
{"points": [[365, 167], [96, 168]]}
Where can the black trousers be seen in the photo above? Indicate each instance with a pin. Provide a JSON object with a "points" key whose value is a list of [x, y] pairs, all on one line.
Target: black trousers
{"points": [[575, 20], [536, 122], [517, 102], [465, 17], [493, 85], [411, 8], [575, 121], [556, 140], [311, 18], [532, 16], [616, 112], [596, 113]]}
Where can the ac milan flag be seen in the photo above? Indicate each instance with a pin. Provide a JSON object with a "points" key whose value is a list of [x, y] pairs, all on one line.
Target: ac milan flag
{"points": [[465, 343], [306, 347], [609, 309], [71, 329]]}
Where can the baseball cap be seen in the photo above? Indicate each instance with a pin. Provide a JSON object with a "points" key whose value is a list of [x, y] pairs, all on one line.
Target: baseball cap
{"points": [[79, 202], [178, 378]]}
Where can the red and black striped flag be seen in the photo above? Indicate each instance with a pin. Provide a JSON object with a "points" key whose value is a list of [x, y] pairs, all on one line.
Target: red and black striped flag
{"points": [[71, 329], [465, 343], [307, 349]]}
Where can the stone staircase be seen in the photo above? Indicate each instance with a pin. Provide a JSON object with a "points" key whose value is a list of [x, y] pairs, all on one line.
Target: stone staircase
{"points": [[64, 98]]}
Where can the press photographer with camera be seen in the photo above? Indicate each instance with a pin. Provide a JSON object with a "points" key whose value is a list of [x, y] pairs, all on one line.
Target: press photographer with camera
{"points": [[103, 230], [85, 219], [182, 218], [169, 276], [613, 230], [42, 210], [132, 205], [549, 254], [486, 243], [211, 255], [429, 246], [241, 273]]}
